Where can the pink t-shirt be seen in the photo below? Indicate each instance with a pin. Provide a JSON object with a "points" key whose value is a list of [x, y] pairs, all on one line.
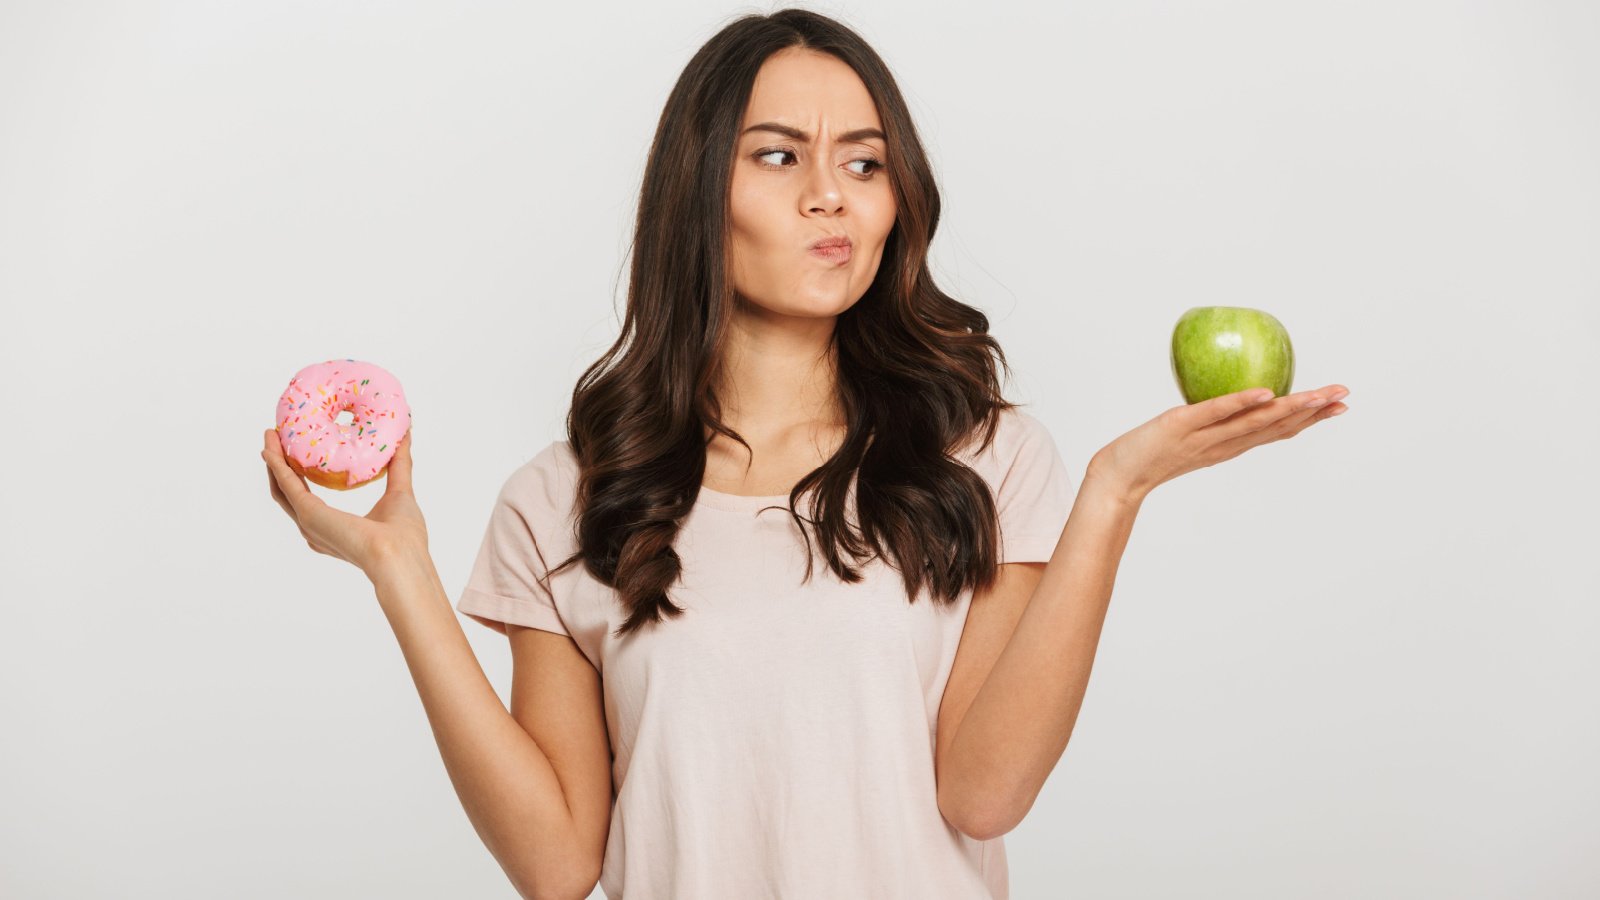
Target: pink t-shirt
{"points": [[777, 739]]}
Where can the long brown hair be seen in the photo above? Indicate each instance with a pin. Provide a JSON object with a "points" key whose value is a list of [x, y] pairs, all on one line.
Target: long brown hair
{"points": [[916, 368]]}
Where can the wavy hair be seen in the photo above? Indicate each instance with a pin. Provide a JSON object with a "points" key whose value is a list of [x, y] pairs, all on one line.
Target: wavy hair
{"points": [[916, 369]]}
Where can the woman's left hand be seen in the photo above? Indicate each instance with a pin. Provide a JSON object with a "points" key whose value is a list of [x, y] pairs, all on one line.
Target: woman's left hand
{"points": [[1202, 434]]}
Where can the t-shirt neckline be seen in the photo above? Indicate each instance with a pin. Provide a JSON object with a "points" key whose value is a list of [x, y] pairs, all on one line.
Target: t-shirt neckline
{"points": [[740, 502]]}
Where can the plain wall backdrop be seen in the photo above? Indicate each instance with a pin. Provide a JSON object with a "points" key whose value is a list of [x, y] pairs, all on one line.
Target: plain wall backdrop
{"points": [[1358, 663]]}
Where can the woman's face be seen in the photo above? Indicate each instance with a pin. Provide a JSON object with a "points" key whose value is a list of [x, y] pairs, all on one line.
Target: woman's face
{"points": [[790, 190]]}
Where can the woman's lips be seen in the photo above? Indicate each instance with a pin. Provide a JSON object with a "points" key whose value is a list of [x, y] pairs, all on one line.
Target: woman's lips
{"points": [[837, 254]]}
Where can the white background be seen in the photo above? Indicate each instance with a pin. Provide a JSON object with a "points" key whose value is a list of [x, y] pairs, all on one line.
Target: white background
{"points": [[1359, 663]]}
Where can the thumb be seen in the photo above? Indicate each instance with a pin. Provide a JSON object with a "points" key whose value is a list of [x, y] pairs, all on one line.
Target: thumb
{"points": [[400, 464]]}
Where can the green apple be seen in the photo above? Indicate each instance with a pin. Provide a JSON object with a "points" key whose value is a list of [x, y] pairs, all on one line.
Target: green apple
{"points": [[1220, 350]]}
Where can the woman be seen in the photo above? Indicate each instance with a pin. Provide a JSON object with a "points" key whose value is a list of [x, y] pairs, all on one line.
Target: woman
{"points": [[697, 710]]}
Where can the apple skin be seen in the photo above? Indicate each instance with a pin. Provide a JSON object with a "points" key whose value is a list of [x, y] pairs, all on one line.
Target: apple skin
{"points": [[1219, 350]]}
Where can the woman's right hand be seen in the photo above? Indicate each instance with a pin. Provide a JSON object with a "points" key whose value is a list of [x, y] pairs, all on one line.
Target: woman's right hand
{"points": [[394, 526]]}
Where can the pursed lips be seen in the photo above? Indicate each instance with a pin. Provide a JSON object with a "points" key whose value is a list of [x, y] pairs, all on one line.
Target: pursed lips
{"points": [[834, 249]]}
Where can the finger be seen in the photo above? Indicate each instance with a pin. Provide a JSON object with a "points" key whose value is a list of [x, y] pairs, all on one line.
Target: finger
{"points": [[283, 502], [1218, 408], [399, 478], [1272, 413], [1326, 411], [308, 511], [1285, 427], [1264, 424], [291, 483], [277, 495]]}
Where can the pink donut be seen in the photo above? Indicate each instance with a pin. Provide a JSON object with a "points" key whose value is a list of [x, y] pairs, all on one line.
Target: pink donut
{"points": [[335, 455]]}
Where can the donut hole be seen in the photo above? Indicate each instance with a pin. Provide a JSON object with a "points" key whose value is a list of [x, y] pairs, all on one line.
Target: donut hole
{"points": [[345, 417]]}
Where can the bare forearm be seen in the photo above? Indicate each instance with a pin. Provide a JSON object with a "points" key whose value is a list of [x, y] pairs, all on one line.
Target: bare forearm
{"points": [[506, 783], [1021, 718]]}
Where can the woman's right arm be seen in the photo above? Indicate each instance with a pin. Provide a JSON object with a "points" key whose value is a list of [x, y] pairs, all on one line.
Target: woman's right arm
{"points": [[550, 841], [507, 784]]}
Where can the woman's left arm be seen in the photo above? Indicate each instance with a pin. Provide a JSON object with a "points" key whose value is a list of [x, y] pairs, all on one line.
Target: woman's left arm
{"points": [[1019, 722]]}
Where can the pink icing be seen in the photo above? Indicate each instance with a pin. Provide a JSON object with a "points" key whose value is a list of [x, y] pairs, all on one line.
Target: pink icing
{"points": [[308, 426]]}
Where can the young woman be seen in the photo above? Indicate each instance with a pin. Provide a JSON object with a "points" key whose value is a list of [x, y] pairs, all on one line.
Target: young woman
{"points": [[801, 607]]}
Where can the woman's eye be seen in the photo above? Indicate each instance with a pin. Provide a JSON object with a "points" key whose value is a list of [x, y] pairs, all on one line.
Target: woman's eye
{"points": [[873, 165]]}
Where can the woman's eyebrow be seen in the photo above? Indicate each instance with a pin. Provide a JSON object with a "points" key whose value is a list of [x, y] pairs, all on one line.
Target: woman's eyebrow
{"points": [[860, 134]]}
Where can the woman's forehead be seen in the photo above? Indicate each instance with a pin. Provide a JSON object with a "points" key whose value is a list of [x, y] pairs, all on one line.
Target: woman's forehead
{"points": [[810, 91]]}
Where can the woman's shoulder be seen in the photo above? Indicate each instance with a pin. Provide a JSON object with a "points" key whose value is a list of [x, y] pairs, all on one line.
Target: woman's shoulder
{"points": [[546, 482], [1016, 432]]}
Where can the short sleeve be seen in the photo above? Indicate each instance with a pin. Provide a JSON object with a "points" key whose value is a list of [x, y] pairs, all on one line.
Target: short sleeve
{"points": [[505, 582], [1034, 491]]}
